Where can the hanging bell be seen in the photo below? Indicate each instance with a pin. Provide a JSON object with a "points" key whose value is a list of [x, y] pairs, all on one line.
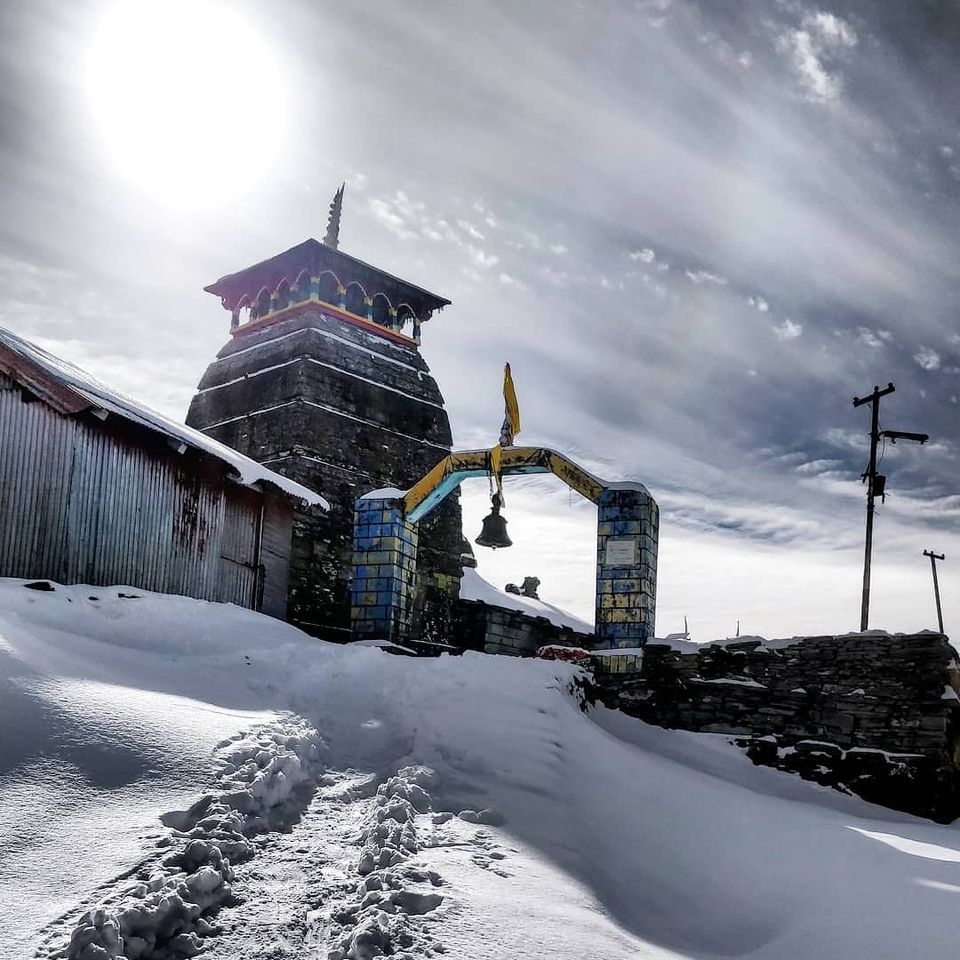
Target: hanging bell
{"points": [[494, 532]]}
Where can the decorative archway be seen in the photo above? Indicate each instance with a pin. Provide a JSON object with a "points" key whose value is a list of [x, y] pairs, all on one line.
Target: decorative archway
{"points": [[385, 544]]}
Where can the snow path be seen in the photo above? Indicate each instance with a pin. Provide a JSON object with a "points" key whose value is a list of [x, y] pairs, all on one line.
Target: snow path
{"points": [[163, 908], [86, 769]]}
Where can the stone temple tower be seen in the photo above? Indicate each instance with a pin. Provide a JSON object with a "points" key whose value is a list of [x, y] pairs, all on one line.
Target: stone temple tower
{"points": [[323, 380]]}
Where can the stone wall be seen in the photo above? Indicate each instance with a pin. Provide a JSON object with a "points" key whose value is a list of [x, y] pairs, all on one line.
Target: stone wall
{"points": [[489, 629], [874, 714], [342, 411], [628, 523], [384, 560]]}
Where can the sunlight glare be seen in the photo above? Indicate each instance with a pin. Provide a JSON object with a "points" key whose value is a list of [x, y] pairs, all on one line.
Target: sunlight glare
{"points": [[187, 96]]}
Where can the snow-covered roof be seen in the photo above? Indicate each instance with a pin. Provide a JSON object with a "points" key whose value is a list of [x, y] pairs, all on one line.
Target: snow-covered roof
{"points": [[84, 391], [474, 587], [385, 493]]}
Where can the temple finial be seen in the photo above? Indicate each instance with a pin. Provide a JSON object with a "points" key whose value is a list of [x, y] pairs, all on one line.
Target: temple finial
{"points": [[332, 239]]}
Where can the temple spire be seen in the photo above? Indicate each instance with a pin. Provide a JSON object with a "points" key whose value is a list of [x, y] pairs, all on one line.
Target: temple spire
{"points": [[332, 239]]}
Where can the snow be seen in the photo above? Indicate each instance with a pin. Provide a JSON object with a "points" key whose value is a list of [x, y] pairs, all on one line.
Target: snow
{"points": [[385, 493], [107, 398], [461, 806], [732, 682], [620, 651], [474, 587]]}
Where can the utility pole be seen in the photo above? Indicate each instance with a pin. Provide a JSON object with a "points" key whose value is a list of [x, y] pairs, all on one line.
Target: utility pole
{"points": [[934, 557], [876, 483]]}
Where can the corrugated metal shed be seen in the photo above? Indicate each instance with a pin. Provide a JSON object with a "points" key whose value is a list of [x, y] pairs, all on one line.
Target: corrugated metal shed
{"points": [[89, 497]]}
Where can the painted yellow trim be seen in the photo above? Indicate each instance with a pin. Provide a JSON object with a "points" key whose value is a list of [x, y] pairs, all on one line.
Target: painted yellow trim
{"points": [[513, 460]]}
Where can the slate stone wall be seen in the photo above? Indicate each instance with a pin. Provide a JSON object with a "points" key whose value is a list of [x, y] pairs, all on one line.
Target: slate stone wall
{"points": [[385, 558], [628, 523], [342, 411], [874, 714], [490, 629]]}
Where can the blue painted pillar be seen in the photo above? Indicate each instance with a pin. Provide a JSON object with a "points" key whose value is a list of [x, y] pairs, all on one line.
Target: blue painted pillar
{"points": [[384, 564], [628, 523]]}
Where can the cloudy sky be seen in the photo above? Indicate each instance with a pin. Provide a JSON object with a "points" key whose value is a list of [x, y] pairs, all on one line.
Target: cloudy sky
{"points": [[696, 230]]}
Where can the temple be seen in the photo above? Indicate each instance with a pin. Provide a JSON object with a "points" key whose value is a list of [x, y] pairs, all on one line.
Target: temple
{"points": [[322, 379]]}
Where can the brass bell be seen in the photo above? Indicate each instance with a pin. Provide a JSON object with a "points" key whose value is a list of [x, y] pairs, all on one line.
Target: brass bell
{"points": [[494, 532]]}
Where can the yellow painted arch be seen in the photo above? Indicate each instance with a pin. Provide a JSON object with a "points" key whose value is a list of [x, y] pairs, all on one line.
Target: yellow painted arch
{"points": [[432, 488]]}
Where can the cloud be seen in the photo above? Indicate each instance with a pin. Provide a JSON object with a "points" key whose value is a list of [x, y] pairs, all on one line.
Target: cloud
{"points": [[927, 358], [758, 303], [558, 278], [508, 280], [470, 230], [788, 330], [820, 41], [386, 213], [481, 259], [558, 249], [872, 338], [705, 276], [646, 255]]}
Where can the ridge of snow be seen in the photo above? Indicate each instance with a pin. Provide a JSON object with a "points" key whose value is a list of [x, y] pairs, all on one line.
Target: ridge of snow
{"points": [[474, 587], [384, 493], [113, 401]]}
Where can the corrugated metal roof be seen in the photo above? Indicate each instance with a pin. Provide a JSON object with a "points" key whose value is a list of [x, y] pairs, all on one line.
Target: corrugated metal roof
{"points": [[70, 389]]}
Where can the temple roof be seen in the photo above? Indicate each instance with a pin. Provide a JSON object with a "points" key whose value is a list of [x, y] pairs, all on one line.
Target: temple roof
{"points": [[317, 258]]}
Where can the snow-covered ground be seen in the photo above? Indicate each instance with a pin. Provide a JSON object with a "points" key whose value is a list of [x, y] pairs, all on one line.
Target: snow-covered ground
{"points": [[459, 806]]}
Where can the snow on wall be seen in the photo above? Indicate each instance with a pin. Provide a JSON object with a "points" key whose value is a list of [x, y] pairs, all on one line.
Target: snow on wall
{"points": [[474, 587]]}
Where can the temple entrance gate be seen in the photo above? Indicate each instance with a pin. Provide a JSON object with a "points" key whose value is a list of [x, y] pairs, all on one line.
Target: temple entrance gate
{"points": [[385, 545]]}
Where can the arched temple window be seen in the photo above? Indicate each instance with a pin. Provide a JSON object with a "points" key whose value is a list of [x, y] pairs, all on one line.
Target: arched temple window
{"points": [[355, 299], [405, 314], [262, 307], [282, 295], [303, 286], [328, 288], [381, 310], [245, 304]]}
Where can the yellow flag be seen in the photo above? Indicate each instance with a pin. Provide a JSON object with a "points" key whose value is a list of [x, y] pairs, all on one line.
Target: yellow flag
{"points": [[511, 426], [511, 423], [495, 457]]}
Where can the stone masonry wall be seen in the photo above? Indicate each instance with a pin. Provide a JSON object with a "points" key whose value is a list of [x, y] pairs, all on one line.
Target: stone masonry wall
{"points": [[384, 560], [490, 629], [873, 714], [342, 411], [628, 522]]}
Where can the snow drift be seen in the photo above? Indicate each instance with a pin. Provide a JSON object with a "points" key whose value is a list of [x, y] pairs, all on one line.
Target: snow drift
{"points": [[581, 835]]}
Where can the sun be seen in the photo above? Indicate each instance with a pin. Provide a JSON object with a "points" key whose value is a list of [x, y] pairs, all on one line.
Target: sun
{"points": [[187, 97]]}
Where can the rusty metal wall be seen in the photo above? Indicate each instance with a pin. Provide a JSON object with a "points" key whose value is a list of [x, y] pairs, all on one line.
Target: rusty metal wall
{"points": [[79, 504]]}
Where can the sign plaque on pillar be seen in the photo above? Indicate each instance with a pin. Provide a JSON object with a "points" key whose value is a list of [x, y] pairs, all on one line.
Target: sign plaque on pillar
{"points": [[621, 552]]}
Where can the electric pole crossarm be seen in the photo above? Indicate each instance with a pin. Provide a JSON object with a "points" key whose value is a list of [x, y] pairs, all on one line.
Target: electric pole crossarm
{"points": [[876, 395], [894, 435]]}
